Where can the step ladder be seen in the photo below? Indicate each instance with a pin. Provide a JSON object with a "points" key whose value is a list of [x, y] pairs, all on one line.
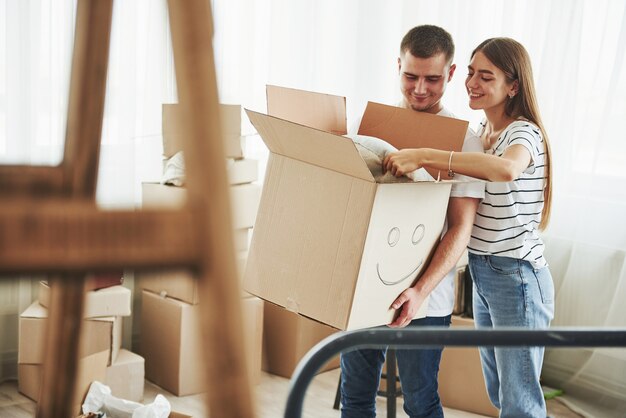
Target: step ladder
{"points": [[50, 223]]}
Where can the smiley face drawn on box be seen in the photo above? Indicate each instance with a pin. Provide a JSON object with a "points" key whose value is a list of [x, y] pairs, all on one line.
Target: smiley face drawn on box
{"points": [[404, 227], [397, 237], [401, 234]]}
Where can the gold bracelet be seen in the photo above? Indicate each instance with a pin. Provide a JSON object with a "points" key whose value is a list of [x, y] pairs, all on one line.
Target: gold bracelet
{"points": [[450, 172]]}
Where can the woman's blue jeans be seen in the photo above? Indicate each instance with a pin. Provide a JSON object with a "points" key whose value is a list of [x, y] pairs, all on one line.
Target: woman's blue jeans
{"points": [[509, 292], [418, 369]]}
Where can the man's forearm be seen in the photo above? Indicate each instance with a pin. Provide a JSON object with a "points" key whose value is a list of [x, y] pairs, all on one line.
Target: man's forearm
{"points": [[454, 242], [447, 254]]}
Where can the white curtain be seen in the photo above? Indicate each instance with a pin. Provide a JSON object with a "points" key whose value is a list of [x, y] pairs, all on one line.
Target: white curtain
{"points": [[350, 48], [36, 39]]}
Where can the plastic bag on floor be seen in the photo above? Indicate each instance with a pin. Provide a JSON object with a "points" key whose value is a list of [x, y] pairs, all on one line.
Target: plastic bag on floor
{"points": [[99, 399]]}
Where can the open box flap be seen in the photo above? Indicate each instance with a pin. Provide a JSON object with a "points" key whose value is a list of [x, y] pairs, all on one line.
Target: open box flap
{"points": [[316, 110], [427, 131], [310, 145]]}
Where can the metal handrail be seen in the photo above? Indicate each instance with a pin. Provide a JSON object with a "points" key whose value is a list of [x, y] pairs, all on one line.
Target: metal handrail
{"points": [[425, 337]]}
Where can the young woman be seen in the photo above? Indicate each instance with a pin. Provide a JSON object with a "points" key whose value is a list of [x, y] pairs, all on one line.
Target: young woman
{"points": [[512, 284]]}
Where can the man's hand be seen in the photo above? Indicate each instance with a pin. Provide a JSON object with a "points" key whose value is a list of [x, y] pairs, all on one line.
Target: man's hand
{"points": [[403, 161], [409, 302]]}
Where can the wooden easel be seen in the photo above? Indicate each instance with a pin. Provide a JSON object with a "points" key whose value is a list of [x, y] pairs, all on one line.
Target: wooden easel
{"points": [[49, 222]]}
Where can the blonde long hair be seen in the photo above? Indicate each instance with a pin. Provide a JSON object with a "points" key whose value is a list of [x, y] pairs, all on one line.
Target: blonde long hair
{"points": [[512, 58]]}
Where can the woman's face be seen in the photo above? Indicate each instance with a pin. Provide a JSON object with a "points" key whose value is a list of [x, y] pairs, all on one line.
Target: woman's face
{"points": [[486, 84]]}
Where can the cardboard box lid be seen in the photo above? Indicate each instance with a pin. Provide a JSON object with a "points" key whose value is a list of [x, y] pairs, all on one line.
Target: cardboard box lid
{"points": [[427, 131], [316, 110], [296, 109], [389, 123], [310, 145]]}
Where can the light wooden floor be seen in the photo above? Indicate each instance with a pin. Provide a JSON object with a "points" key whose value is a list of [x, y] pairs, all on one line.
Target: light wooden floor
{"points": [[271, 395]]}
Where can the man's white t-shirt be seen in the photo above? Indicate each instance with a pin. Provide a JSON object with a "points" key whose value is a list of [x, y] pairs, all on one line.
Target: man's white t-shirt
{"points": [[441, 302]]}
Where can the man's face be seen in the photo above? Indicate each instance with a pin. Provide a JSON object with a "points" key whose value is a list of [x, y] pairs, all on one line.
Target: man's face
{"points": [[423, 81]]}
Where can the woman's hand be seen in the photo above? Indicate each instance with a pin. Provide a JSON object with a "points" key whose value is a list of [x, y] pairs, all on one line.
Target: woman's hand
{"points": [[403, 161]]}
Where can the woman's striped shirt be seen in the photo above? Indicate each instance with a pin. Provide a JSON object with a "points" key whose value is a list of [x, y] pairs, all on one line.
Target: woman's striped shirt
{"points": [[508, 217]]}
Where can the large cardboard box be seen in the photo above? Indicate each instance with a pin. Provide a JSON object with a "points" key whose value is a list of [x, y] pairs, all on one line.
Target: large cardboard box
{"points": [[244, 201], [171, 343], [287, 337], [99, 334], [329, 242], [91, 367], [125, 376], [234, 140], [108, 301], [461, 383]]}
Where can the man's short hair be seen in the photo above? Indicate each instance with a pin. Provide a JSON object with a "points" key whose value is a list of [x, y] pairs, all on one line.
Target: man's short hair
{"points": [[426, 41]]}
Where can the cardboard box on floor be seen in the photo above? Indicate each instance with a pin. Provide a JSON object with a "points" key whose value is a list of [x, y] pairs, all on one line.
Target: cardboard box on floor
{"points": [[324, 241], [287, 337], [91, 367], [171, 342], [108, 301], [125, 376], [461, 383], [98, 335]]}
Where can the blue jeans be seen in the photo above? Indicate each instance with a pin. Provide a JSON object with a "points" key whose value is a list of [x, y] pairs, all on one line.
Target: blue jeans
{"points": [[510, 293], [418, 369]]}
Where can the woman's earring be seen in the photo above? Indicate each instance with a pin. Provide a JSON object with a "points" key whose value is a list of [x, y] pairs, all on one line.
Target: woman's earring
{"points": [[511, 95]]}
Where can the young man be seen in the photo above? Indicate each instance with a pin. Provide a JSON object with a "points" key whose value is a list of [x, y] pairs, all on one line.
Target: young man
{"points": [[425, 67]]}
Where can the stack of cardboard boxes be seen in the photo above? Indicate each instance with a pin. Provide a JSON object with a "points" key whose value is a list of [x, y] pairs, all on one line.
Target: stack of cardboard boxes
{"points": [[170, 338], [101, 355]]}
